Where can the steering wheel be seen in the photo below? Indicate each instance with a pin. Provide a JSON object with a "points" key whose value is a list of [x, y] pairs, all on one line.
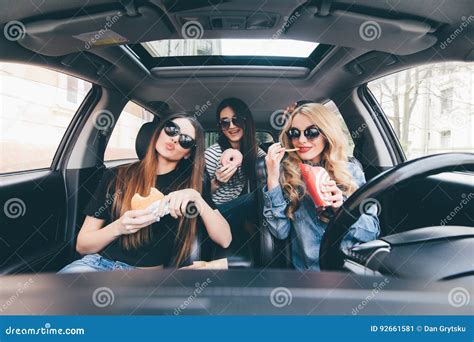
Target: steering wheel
{"points": [[330, 256]]}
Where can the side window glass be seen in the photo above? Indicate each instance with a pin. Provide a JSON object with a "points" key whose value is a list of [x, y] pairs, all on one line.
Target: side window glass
{"points": [[121, 144], [350, 146], [430, 107], [37, 106]]}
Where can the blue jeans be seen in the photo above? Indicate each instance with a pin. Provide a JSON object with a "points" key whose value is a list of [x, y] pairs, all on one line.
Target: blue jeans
{"points": [[240, 209], [94, 263]]}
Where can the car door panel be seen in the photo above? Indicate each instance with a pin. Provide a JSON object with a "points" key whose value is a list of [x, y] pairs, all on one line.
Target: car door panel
{"points": [[33, 211]]}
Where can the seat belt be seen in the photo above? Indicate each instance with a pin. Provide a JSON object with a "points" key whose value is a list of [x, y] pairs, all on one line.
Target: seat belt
{"points": [[102, 136]]}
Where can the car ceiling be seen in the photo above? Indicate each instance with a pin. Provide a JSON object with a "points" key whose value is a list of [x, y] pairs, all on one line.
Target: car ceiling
{"points": [[411, 33]]}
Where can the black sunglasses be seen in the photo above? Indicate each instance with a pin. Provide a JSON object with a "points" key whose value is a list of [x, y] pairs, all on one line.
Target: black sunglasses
{"points": [[224, 124], [172, 130], [310, 133]]}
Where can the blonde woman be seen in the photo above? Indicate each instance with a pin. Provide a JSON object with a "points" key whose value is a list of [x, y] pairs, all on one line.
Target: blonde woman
{"points": [[288, 209]]}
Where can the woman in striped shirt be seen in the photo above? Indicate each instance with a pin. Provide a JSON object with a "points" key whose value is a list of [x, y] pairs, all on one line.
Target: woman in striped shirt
{"points": [[233, 185]]}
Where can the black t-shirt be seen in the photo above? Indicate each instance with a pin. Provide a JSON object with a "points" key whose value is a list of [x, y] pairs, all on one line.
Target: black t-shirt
{"points": [[162, 248]]}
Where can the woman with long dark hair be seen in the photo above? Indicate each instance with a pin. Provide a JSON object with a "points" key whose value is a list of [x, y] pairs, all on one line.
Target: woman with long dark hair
{"points": [[114, 236], [233, 184], [236, 131]]}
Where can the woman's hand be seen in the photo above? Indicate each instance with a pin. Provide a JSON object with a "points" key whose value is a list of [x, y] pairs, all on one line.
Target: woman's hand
{"points": [[178, 201], [226, 172], [290, 108], [272, 161], [333, 194], [134, 220]]}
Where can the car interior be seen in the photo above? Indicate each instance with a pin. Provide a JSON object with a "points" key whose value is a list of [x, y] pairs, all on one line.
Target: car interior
{"points": [[413, 194]]}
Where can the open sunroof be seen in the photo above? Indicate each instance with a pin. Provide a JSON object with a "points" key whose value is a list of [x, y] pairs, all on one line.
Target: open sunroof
{"points": [[229, 47], [200, 52]]}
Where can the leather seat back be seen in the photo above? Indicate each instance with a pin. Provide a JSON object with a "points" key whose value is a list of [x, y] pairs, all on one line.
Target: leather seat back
{"points": [[274, 253]]}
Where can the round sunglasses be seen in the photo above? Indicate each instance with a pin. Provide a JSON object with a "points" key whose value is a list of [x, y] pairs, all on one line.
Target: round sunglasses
{"points": [[185, 141], [224, 124], [310, 133]]}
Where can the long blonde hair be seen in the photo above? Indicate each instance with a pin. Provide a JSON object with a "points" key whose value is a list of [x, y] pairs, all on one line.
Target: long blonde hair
{"points": [[333, 156]]}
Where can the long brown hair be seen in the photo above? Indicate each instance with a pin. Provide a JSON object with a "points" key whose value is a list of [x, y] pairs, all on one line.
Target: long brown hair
{"points": [[333, 157], [139, 177], [248, 144]]}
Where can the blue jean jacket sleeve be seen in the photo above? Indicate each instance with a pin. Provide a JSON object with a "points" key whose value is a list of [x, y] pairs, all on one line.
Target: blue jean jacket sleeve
{"points": [[367, 226], [274, 205], [357, 173]]}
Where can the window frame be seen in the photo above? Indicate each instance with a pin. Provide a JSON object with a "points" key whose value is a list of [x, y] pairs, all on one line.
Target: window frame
{"points": [[321, 51], [380, 119], [75, 127]]}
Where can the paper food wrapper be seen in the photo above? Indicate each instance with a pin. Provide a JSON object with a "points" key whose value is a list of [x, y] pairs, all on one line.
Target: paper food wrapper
{"points": [[314, 177], [220, 264], [156, 204]]}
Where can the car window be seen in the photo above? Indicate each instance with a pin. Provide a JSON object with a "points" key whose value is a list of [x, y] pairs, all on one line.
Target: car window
{"points": [[262, 137], [121, 144], [431, 107], [37, 105], [350, 142]]}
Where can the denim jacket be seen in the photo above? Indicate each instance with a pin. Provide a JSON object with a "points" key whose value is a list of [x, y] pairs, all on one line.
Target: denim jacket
{"points": [[306, 230]]}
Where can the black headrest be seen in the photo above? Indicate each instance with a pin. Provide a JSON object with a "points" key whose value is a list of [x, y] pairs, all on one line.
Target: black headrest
{"points": [[261, 171], [264, 146], [143, 138]]}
